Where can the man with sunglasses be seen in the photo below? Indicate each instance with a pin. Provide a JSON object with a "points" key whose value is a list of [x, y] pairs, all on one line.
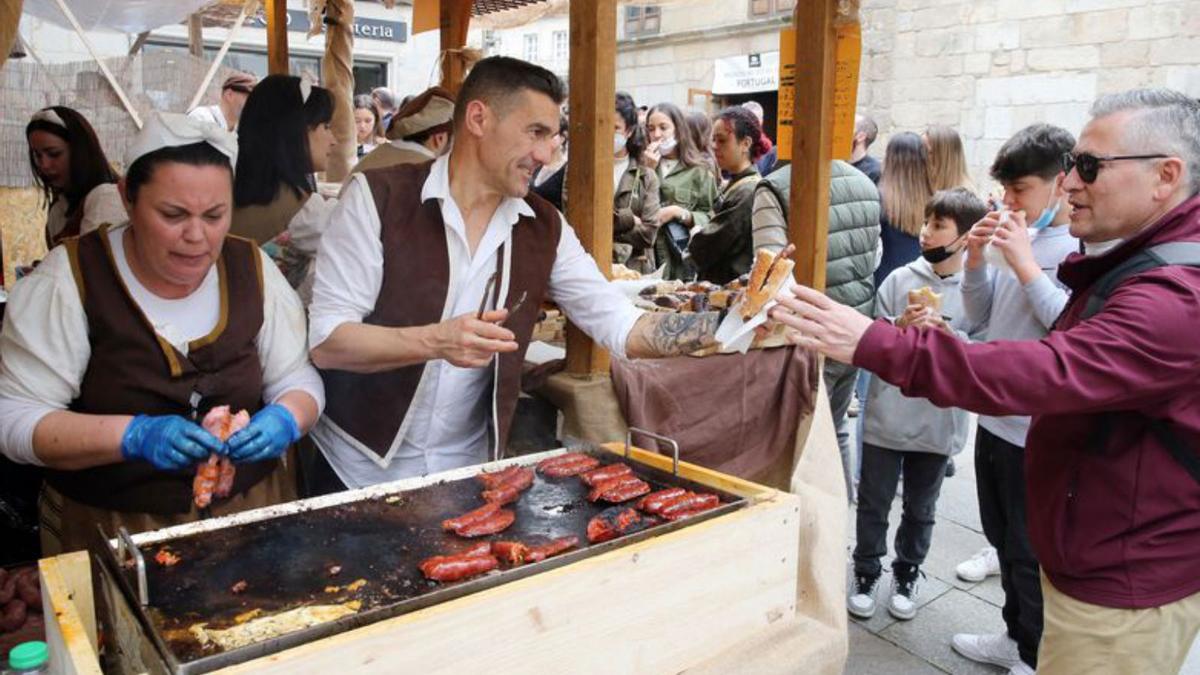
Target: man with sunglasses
{"points": [[234, 91], [1112, 461]]}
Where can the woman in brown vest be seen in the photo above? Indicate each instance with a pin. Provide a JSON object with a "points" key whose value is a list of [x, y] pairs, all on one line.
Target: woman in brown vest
{"points": [[75, 177], [284, 139], [125, 337]]}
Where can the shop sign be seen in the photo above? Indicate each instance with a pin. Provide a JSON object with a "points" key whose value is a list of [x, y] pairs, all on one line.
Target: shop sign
{"points": [[369, 29], [746, 74]]}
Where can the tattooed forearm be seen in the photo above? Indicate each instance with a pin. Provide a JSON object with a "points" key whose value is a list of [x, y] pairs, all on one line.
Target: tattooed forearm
{"points": [[659, 335]]}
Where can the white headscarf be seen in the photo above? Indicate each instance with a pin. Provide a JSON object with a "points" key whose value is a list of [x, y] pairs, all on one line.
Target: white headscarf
{"points": [[169, 130], [48, 115]]}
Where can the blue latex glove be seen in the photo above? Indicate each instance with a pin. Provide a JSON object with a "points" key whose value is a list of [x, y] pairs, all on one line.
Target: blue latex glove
{"points": [[169, 442], [268, 434]]}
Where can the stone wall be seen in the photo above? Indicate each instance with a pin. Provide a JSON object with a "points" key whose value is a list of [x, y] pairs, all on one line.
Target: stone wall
{"points": [[991, 67]]}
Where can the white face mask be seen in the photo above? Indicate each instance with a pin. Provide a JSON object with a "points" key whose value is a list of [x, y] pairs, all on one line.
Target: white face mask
{"points": [[667, 145], [619, 142]]}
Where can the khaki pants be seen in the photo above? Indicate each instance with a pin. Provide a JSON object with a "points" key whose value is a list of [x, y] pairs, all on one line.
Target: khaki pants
{"points": [[67, 525], [1082, 638]]}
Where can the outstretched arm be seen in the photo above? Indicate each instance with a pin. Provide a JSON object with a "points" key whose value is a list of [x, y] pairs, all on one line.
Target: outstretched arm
{"points": [[661, 335]]}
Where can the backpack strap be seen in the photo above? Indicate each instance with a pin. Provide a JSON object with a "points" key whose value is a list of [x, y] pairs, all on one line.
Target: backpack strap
{"points": [[1171, 253]]}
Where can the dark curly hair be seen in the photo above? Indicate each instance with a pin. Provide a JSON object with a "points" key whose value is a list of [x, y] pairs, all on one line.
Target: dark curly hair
{"points": [[745, 125], [627, 111]]}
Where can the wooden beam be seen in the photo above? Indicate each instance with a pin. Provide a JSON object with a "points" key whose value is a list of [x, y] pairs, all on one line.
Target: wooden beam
{"points": [[808, 222], [455, 20], [593, 35], [195, 35], [138, 43], [277, 37], [216, 63]]}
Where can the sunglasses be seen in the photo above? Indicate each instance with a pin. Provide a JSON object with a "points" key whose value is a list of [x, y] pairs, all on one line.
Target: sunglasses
{"points": [[1088, 165]]}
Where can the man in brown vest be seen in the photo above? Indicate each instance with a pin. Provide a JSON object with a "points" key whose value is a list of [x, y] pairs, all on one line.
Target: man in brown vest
{"points": [[418, 380], [419, 132]]}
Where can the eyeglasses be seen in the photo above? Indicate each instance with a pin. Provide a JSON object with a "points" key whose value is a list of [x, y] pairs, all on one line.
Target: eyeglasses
{"points": [[1088, 165]]}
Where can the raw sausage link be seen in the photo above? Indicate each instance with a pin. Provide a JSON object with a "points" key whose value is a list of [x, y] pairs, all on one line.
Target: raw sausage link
{"points": [[596, 476], [497, 522]]}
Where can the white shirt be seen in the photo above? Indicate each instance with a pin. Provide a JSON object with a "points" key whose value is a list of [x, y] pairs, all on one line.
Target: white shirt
{"points": [[44, 346], [211, 114], [620, 166], [446, 426], [102, 205], [667, 165]]}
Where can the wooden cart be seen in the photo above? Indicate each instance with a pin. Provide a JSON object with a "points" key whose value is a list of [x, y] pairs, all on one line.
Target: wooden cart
{"points": [[663, 604]]}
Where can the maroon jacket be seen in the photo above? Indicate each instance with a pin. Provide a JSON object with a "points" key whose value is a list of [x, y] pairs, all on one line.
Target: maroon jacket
{"points": [[1114, 524]]}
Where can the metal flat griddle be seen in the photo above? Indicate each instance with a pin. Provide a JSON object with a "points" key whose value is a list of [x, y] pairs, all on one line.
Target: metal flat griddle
{"points": [[285, 561]]}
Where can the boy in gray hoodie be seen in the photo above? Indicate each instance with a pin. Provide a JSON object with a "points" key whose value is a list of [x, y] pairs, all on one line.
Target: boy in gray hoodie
{"points": [[911, 434]]}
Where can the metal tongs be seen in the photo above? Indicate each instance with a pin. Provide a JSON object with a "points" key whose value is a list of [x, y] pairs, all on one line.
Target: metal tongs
{"points": [[487, 293]]}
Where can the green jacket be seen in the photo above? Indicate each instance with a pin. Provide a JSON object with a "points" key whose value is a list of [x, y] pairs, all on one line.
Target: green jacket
{"points": [[695, 189], [635, 218], [853, 230], [723, 249]]}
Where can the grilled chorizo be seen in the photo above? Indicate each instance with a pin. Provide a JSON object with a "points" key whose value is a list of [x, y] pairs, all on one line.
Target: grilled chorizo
{"points": [[492, 480], [614, 522], [653, 502], [596, 476], [497, 522], [502, 494], [619, 489], [487, 510], [689, 505], [511, 552], [550, 549], [572, 468], [455, 568]]}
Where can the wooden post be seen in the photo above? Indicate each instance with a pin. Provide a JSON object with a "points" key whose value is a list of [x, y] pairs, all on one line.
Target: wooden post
{"points": [[454, 20], [337, 71], [593, 84], [808, 224], [195, 35], [277, 39]]}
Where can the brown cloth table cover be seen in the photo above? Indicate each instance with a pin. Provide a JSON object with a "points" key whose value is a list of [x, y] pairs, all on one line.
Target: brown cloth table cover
{"points": [[734, 413]]}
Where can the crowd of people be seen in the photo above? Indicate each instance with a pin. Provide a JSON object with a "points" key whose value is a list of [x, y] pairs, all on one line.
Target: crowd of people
{"points": [[216, 271]]}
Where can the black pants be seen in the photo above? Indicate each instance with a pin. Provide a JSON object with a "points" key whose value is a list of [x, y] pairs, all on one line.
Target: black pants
{"points": [[881, 467], [1000, 481]]}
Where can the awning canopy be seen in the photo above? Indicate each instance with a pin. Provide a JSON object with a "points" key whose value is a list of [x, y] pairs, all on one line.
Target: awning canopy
{"points": [[124, 16]]}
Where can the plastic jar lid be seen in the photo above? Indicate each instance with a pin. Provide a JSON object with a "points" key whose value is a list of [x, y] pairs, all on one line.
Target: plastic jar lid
{"points": [[28, 655]]}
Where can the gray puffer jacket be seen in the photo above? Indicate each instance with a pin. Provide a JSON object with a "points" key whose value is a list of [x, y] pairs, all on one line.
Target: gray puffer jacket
{"points": [[853, 230]]}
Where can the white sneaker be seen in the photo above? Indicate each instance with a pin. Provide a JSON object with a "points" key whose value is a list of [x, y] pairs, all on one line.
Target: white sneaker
{"points": [[982, 565], [1021, 669], [861, 602], [902, 603], [997, 649]]}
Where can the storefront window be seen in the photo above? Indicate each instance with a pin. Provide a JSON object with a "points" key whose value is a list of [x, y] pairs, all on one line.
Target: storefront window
{"points": [[367, 74]]}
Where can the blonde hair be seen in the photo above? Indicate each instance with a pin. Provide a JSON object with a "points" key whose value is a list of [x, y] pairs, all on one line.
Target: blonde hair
{"points": [[947, 161], [904, 187]]}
